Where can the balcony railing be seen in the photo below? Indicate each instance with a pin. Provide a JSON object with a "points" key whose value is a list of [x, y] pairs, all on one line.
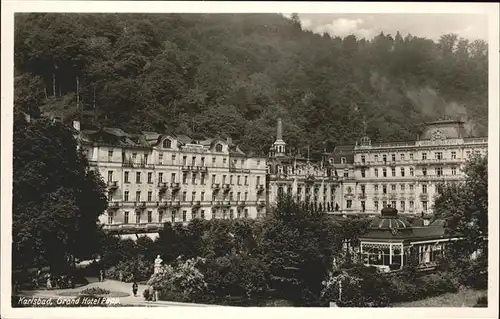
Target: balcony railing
{"points": [[112, 184], [260, 188], [140, 205], [239, 170], [114, 205], [216, 186], [241, 203], [175, 186], [162, 186]]}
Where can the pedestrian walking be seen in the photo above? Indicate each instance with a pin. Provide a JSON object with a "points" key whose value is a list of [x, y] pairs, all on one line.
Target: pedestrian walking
{"points": [[101, 275], [152, 293], [134, 289], [121, 276], [49, 283]]}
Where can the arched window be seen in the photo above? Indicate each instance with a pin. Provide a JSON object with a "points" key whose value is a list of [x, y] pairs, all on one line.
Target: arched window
{"points": [[167, 143], [218, 148]]}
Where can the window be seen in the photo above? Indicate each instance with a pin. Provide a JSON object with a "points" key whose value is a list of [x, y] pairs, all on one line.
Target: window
{"points": [[238, 198], [362, 159], [184, 196], [411, 156], [126, 178], [231, 179], [213, 178], [184, 178], [125, 217], [134, 157], [160, 158], [150, 196], [258, 163], [402, 187], [402, 205], [438, 155], [453, 155], [193, 196], [173, 159], [202, 181], [393, 171], [213, 161], [110, 217], [349, 203], [172, 178], [363, 173], [412, 172], [184, 215], [246, 180], [202, 161], [346, 174], [439, 171], [193, 213], [224, 161], [393, 204], [218, 148], [184, 160], [160, 216], [376, 172], [125, 196], [375, 188], [424, 206], [238, 181], [150, 216], [137, 217], [384, 203], [402, 157], [246, 213], [110, 176], [167, 143], [393, 187], [160, 177], [424, 189], [110, 156], [402, 171], [424, 171], [467, 153], [172, 216], [375, 204], [384, 189], [376, 157], [202, 196], [384, 172], [393, 157], [231, 196], [412, 187], [363, 206], [453, 170], [384, 158], [145, 158], [138, 196], [193, 179], [138, 177], [150, 178], [424, 156], [258, 180], [223, 179], [412, 204], [343, 160], [363, 188], [193, 161]]}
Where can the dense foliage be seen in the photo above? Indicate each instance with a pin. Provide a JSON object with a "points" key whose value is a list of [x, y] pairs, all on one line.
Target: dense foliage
{"points": [[464, 207], [233, 74], [57, 199]]}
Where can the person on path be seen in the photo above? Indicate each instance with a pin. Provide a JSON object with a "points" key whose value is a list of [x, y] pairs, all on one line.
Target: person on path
{"points": [[134, 289], [101, 275], [121, 276], [152, 293], [49, 283]]}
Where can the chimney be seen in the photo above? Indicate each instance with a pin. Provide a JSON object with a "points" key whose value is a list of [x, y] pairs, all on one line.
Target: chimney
{"points": [[229, 141], [76, 125], [279, 133]]}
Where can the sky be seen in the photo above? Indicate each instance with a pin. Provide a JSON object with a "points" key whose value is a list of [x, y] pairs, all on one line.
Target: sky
{"points": [[433, 25]]}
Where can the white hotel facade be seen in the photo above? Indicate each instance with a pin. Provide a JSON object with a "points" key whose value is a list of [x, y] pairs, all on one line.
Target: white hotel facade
{"points": [[156, 178]]}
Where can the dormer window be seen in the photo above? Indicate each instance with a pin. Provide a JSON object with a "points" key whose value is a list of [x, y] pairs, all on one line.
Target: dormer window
{"points": [[218, 148], [167, 143]]}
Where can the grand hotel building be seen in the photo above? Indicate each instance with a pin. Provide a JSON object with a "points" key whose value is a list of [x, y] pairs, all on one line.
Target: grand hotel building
{"points": [[154, 178]]}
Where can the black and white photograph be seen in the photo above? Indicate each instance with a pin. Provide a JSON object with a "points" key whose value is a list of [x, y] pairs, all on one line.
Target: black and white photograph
{"points": [[249, 157]]}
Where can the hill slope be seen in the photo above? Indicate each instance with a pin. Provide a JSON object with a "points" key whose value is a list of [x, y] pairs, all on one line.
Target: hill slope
{"points": [[223, 74]]}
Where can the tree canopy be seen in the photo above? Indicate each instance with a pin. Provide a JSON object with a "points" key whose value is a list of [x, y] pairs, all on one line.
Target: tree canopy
{"points": [[56, 197], [233, 74]]}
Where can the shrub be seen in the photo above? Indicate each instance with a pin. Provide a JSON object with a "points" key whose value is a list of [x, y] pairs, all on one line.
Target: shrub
{"points": [[482, 302], [95, 291], [137, 269], [146, 295], [181, 282]]}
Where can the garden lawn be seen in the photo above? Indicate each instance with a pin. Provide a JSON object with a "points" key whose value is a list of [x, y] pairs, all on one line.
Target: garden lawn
{"points": [[463, 298]]}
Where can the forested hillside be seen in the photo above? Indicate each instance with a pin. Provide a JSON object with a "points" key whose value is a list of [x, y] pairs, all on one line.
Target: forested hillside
{"points": [[211, 74]]}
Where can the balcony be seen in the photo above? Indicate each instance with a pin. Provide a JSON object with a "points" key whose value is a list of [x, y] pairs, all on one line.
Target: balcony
{"points": [[175, 204], [186, 168], [216, 186], [424, 196], [196, 203], [162, 205], [226, 187], [112, 185], [175, 186], [131, 228], [114, 205], [216, 203], [262, 203], [242, 203], [139, 205], [202, 169], [260, 188], [162, 186], [362, 196]]}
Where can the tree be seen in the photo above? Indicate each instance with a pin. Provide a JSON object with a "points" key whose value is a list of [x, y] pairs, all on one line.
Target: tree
{"points": [[297, 245], [464, 207], [57, 198]]}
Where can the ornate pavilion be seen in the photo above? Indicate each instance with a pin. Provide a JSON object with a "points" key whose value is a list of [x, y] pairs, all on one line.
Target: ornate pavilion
{"points": [[391, 241]]}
